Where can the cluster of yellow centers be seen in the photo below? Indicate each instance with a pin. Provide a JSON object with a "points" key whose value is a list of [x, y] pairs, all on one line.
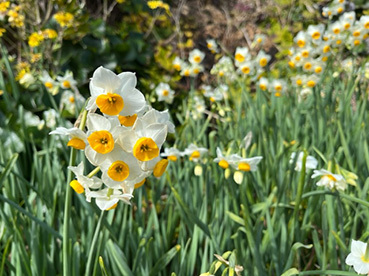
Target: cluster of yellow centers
{"points": [[110, 103], [64, 19], [145, 149]]}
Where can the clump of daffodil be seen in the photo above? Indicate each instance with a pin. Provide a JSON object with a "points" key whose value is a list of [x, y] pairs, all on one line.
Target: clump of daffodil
{"points": [[123, 154]]}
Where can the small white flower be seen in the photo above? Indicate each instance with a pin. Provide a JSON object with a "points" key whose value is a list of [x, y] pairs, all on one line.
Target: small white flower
{"points": [[194, 152], [357, 257], [330, 180], [311, 162], [212, 45], [196, 56], [164, 93], [67, 81]]}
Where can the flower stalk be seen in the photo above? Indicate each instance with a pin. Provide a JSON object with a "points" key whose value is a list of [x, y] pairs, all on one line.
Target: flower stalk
{"points": [[67, 206]]}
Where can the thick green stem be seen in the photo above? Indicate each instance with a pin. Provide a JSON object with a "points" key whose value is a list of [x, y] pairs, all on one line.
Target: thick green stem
{"points": [[93, 245], [67, 205]]}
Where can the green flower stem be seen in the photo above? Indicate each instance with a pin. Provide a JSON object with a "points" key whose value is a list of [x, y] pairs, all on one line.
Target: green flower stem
{"points": [[293, 223], [67, 206], [93, 245], [93, 172]]}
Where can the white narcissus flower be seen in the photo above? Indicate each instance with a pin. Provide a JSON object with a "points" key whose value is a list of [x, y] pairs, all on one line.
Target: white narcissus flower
{"points": [[245, 164], [196, 56], [67, 81], [50, 84], [357, 257], [83, 182], [78, 138], [278, 86], [115, 94], [212, 45], [246, 68], [301, 39], [164, 93], [311, 162], [330, 180], [224, 161], [143, 141], [178, 63], [241, 55], [262, 59], [263, 84], [171, 153], [152, 116], [316, 32], [108, 198], [101, 136], [194, 152], [121, 168]]}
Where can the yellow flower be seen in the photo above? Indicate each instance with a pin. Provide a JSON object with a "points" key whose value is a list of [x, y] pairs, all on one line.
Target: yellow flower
{"points": [[120, 1], [4, 6], [15, 19], [158, 4], [35, 57], [35, 39], [49, 33], [2, 31], [64, 19]]}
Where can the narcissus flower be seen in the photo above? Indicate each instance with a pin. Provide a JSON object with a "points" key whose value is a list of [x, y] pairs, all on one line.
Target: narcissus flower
{"points": [[212, 45], [194, 152], [83, 182], [78, 138], [121, 168], [358, 257], [224, 161], [330, 180], [143, 141], [241, 55], [115, 94], [164, 93], [311, 162], [67, 81], [171, 153], [101, 136], [196, 56], [262, 59], [107, 199], [246, 164], [49, 83], [178, 63]]}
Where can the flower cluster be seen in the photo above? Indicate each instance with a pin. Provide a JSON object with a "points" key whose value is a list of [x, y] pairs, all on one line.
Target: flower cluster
{"points": [[124, 143], [191, 68]]}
